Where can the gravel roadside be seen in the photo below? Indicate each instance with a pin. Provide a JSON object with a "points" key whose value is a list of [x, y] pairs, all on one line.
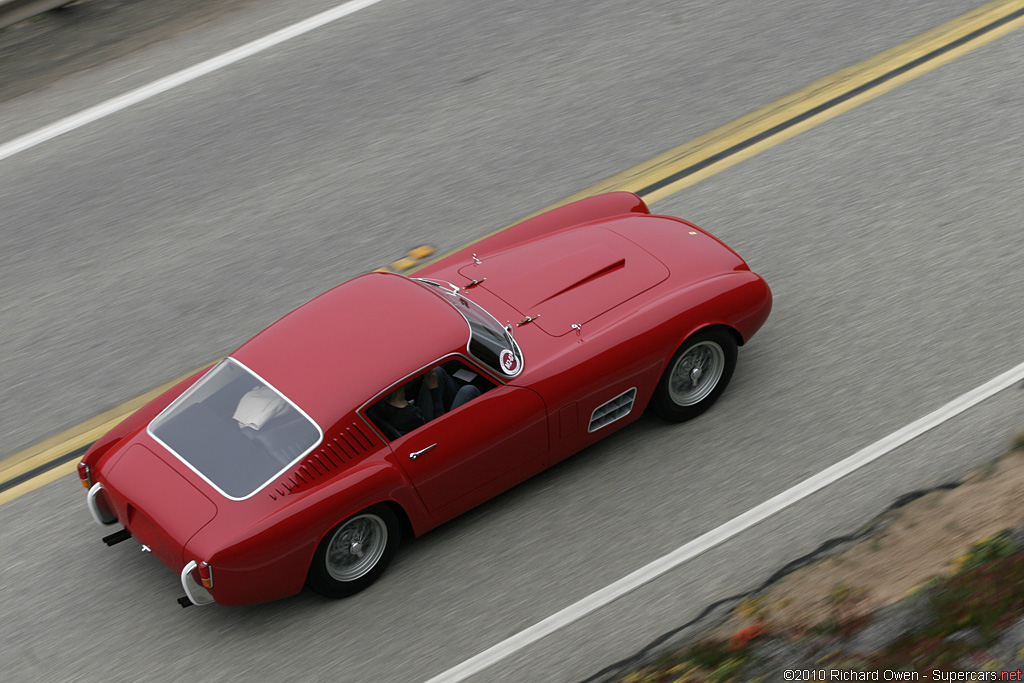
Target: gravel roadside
{"points": [[932, 587]]}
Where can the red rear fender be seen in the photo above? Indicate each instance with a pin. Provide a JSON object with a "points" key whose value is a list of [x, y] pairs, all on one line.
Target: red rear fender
{"points": [[271, 558]]}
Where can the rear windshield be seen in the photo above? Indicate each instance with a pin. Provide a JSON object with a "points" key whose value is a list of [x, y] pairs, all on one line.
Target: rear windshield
{"points": [[235, 430]]}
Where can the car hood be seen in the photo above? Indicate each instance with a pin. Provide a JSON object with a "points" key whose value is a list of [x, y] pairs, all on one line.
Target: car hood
{"points": [[568, 278], [157, 505]]}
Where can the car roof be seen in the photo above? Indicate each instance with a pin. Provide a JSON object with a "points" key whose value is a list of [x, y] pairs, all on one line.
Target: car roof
{"points": [[334, 353]]}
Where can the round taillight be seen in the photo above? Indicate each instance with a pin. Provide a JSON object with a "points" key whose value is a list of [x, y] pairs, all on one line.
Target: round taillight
{"points": [[84, 475], [205, 574]]}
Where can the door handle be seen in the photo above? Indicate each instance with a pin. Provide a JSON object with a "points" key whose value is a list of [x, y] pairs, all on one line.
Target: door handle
{"points": [[413, 456]]}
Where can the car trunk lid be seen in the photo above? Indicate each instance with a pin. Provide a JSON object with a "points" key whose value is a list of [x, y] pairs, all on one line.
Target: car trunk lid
{"points": [[159, 507]]}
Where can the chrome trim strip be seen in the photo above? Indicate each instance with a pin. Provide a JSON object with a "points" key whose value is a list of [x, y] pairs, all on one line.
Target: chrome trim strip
{"points": [[94, 508], [197, 595]]}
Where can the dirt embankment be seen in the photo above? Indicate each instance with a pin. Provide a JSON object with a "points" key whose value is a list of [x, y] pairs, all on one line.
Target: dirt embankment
{"points": [[936, 582], [918, 541]]}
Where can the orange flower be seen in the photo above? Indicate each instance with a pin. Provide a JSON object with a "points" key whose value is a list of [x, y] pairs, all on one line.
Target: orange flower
{"points": [[742, 638]]}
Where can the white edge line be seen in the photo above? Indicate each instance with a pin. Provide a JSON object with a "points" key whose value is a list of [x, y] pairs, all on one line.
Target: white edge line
{"points": [[644, 574], [174, 80], [719, 535]]}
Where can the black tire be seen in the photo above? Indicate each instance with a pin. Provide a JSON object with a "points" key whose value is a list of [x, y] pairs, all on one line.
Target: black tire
{"points": [[696, 376], [343, 564]]}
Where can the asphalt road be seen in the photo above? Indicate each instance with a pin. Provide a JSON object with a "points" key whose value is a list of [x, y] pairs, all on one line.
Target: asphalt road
{"points": [[145, 244], [52, 45]]}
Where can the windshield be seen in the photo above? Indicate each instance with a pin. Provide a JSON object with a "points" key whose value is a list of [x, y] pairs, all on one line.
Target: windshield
{"points": [[489, 342], [235, 430]]}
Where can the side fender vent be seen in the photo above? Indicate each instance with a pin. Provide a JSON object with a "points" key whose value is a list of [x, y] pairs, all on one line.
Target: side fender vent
{"points": [[613, 410], [333, 454]]}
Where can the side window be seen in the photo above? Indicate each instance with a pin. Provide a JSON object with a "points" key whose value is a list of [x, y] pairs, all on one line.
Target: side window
{"points": [[426, 397]]}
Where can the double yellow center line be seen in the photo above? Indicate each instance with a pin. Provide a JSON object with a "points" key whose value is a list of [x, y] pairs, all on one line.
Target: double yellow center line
{"points": [[654, 179]]}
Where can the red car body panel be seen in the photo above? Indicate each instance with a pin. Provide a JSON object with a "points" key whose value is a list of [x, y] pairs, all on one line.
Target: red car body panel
{"points": [[636, 285], [331, 354], [470, 465], [173, 509]]}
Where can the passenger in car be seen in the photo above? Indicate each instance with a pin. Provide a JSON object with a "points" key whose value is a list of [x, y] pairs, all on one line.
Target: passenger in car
{"points": [[403, 416], [452, 395]]}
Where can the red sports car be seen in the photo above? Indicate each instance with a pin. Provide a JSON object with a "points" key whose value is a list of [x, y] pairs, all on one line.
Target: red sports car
{"points": [[389, 404]]}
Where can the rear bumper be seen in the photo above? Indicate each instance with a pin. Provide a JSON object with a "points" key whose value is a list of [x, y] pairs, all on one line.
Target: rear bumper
{"points": [[197, 594], [99, 508]]}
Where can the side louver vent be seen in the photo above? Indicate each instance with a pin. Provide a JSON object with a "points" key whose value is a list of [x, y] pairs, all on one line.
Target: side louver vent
{"points": [[613, 410], [332, 454]]}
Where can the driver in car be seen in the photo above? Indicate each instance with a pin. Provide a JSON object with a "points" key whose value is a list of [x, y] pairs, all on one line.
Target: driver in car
{"points": [[404, 416]]}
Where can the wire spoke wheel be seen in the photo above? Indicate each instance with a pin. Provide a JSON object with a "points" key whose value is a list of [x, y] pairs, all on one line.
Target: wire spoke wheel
{"points": [[356, 547], [696, 373], [355, 553]]}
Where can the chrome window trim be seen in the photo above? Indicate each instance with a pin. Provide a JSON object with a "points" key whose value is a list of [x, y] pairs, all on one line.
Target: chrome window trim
{"points": [[269, 481], [516, 349], [468, 360]]}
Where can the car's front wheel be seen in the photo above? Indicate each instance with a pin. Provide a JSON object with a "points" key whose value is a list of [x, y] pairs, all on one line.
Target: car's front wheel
{"points": [[355, 553], [696, 376]]}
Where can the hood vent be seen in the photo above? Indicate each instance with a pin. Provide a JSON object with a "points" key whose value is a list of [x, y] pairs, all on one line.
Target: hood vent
{"points": [[569, 277], [333, 454], [621, 263]]}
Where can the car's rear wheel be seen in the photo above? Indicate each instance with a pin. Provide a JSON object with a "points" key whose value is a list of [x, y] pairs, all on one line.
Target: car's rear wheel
{"points": [[696, 376], [355, 553]]}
